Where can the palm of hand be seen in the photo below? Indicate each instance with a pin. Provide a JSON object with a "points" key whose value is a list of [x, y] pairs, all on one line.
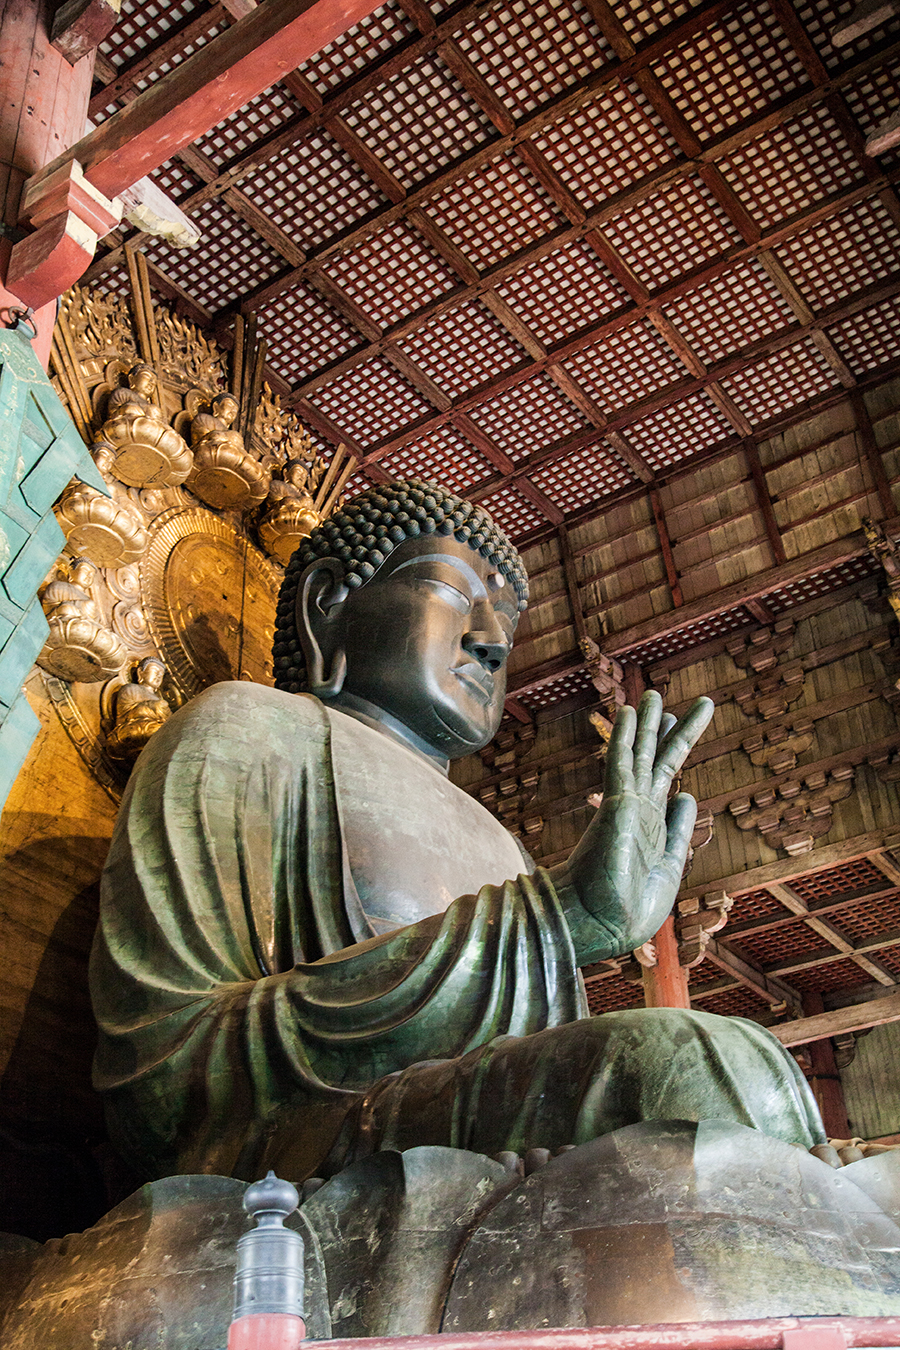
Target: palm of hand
{"points": [[628, 865]]}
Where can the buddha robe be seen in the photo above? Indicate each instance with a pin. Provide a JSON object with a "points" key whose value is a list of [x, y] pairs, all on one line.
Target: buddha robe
{"points": [[249, 1017]]}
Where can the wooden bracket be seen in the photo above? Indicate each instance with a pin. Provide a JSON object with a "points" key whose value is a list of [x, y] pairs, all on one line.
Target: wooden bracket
{"points": [[70, 215]]}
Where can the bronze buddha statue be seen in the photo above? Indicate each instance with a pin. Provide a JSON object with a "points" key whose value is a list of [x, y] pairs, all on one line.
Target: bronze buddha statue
{"points": [[314, 946]]}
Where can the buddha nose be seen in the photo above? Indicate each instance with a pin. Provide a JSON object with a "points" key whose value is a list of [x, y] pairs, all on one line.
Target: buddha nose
{"points": [[486, 640]]}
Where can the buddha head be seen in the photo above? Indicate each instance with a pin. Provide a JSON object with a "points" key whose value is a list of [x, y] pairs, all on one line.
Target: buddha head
{"points": [[142, 378], [151, 673], [225, 407], [402, 607]]}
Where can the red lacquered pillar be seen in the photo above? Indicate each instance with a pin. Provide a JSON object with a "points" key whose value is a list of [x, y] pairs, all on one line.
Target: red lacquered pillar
{"points": [[42, 112], [666, 983]]}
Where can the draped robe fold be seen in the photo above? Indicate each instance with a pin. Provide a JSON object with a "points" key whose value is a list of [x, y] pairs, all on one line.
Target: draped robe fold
{"points": [[249, 1017]]}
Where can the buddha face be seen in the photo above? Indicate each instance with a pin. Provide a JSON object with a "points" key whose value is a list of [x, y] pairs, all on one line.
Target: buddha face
{"points": [[426, 641]]}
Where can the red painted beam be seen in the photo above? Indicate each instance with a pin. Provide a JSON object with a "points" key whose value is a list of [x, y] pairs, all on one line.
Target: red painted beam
{"points": [[769, 1333], [252, 55]]}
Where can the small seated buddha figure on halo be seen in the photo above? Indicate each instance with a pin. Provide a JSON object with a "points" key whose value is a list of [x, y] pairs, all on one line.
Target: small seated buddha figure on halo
{"points": [[148, 452], [224, 474], [140, 711], [79, 646], [290, 514]]}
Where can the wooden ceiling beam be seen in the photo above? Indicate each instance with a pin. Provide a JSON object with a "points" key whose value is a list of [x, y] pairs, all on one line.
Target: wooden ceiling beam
{"points": [[769, 923], [571, 575], [875, 1012], [182, 34], [764, 501], [872, 454], [822, 857], [665, 547], [729, 597], [196, 95], [776, 992]]}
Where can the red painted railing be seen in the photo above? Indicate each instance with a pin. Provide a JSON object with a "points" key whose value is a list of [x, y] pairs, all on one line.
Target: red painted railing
{"points": [[771, 1333]]}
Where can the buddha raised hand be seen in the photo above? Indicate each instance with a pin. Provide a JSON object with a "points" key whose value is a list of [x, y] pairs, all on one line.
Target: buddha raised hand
{"points": [[313, 945]]}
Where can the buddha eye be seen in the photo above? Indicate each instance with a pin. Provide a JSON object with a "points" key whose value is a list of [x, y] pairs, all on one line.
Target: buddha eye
{"points": [[452, 594]]}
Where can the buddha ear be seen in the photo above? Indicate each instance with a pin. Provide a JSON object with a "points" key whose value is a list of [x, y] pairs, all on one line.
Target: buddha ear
{"points": [[320, 598]]}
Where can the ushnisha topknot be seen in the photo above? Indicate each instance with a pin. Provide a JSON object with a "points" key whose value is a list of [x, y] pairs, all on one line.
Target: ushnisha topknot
{"points": [[363, 534]]}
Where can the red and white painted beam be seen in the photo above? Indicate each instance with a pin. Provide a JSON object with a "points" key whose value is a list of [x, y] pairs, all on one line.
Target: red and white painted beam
{"points": [[71, 203]]}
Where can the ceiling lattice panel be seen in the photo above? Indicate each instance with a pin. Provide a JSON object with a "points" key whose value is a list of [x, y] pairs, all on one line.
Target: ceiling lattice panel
{"points": [[528, 51], [595, 165], [313, 190], [731, 312], [371, 401], [792, 168], [374, 37], [495, 211], [582, 477], [870, 339], [419, 121], [392, 274], [731, 71], [668, 437], [783, 380], [463, 348], [853, 249], [444, 456], [657, 242], [303, 331], [234, 255], [532, 414], [564, 293]]}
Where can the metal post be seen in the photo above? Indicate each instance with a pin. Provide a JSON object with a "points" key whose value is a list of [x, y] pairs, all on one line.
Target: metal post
{"points": [[268, 1284]]}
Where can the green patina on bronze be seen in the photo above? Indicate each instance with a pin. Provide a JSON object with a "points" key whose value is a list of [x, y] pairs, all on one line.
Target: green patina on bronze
{"points": [[259, 1006]]}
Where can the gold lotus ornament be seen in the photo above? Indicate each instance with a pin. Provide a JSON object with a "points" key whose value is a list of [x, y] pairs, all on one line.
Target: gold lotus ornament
{"points": [[224, 475], [79, 646], [98, 527], [148, 452]]}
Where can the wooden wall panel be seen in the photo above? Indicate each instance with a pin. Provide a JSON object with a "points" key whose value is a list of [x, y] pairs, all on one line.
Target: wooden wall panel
{"points": [[871, 1083]]}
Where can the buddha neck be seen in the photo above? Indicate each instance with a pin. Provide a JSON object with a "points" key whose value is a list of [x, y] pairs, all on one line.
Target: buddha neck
{"points": [[373, 716]]}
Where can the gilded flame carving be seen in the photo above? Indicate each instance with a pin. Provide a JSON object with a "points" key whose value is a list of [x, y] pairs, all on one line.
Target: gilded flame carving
{"points": [[166, 584]]}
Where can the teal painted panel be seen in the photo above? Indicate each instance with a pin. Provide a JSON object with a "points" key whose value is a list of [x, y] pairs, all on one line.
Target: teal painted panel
{"points": [[40, 452], [10, 617], [7, 628], [33, 562], [13, 538], [20, 726], [17, 657], [12, 403]]}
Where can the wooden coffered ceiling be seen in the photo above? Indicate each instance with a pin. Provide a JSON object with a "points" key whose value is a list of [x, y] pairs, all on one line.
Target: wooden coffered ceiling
{"points": [[552, 253]]}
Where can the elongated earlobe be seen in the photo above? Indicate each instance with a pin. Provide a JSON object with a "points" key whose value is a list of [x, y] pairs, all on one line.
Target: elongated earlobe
{"points": [[321, 589]]}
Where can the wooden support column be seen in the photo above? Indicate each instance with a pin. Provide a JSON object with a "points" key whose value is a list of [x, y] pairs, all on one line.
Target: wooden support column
{"points": [[824, 1079], [666, 983], [761, 489], [872, 453], [665, 545], [42, 112]]}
